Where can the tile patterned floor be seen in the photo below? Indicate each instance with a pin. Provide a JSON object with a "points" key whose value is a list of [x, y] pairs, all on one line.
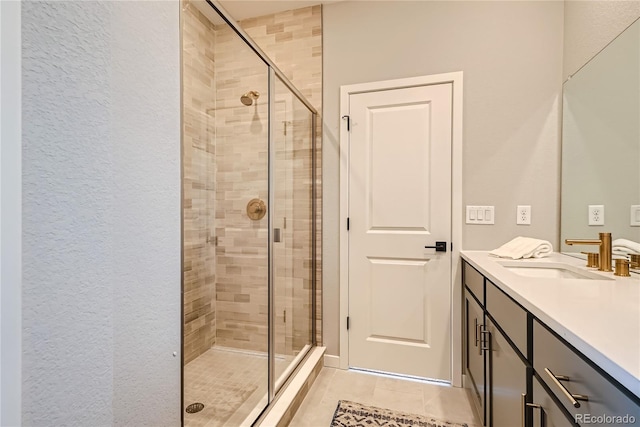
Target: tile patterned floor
{"points": [[229, 383], [439, 401]]}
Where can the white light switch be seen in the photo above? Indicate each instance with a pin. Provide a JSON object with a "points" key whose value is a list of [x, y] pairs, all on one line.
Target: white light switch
{"points": [[484, 215], [635, 215]]}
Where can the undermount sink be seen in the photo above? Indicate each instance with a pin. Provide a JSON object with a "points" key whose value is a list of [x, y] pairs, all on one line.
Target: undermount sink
{"points": [[550, 270]]}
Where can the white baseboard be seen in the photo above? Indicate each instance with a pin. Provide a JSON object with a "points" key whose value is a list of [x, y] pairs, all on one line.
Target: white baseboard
{"points": [[331, 361]]}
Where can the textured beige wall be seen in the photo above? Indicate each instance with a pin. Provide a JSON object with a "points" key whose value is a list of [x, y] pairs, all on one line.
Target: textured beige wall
{"points": [[198, 183], [590, 25], [511, 56], [100, 213]]}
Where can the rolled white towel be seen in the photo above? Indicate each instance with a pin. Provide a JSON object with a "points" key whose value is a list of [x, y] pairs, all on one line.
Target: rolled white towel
{"points": [[523, 247], [625, 247]]}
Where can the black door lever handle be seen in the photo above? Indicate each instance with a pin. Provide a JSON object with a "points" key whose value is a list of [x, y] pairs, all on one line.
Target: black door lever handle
{"points": [[439, 247]]}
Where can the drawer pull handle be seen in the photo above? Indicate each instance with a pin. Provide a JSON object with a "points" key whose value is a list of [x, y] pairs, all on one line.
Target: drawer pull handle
{"points": [[479, 328], [573, 398], [477, 335], [524, 405], [485, 344]]}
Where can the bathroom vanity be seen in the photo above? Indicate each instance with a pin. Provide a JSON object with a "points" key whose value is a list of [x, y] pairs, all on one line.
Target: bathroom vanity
{"points": [[549, 342]]}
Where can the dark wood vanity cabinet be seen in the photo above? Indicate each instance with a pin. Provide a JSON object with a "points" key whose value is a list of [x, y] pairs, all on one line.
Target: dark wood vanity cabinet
{"points": [[496, 373], [520, 373], [567, 372]]}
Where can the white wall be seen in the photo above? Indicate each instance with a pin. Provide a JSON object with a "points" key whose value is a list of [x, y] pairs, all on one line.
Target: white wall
{"points": [[101, 213], [511, 56], [10, 215], [591, 25]]}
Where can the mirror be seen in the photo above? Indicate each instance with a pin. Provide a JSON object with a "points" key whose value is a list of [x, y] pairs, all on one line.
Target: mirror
{"points": [[601, 145]]}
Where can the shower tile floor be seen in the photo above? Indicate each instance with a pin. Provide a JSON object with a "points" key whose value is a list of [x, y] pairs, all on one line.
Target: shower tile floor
{"points": [[230, 383]]}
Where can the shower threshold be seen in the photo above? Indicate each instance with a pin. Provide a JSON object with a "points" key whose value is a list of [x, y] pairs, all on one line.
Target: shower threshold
{"points": [[232, 385]]}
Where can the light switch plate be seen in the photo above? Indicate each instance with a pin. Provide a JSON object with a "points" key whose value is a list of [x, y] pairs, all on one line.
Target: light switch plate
{"points": [[596, 214], [635, 215], [481, 215]]}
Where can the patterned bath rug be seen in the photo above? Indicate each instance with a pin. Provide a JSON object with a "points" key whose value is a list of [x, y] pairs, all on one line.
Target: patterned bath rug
{"points": [[351, 414]]}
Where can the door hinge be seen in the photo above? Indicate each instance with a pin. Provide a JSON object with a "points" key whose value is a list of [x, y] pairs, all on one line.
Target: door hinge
{"points": [[285, 316], [348, 119], [348, 323], [451, 246], [348, 223]]}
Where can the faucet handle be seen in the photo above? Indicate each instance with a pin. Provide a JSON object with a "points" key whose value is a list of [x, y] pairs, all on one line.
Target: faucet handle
{"points": [[622, 268], [593, 259], [635, 260]]}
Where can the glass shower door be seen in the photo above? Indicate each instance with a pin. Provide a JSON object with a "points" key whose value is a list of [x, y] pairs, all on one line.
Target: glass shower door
{"points": [[292, 232], [225, 224], [248, 211]]}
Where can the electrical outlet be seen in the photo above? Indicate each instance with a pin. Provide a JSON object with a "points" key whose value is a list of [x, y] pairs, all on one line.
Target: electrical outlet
{"points": [[523, 215], [596, 214]]}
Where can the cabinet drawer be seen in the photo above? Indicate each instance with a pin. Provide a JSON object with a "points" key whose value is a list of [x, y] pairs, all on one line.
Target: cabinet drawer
{"points": [[475, 282], [509, 316], [548, 414], [604, 398]]}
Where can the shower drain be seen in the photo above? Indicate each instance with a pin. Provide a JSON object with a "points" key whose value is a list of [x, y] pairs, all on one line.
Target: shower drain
{"points": [[194, 407]]}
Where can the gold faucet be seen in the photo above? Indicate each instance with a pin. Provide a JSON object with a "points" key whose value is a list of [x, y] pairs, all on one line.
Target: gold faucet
{"points": [[604, 242]]}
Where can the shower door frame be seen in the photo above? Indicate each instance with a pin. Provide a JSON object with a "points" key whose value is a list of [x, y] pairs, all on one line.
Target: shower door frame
{"points": [[273, 73]]}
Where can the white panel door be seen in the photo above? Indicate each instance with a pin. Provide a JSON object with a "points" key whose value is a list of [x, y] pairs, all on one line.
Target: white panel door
{"points": [[400, 202]]}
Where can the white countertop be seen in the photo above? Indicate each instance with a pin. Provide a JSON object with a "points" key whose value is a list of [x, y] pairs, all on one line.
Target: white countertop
{"points": [[601, 318]]}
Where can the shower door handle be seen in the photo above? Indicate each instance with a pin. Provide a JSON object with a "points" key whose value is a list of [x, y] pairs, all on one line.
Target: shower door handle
{"points": [[277, 235]]}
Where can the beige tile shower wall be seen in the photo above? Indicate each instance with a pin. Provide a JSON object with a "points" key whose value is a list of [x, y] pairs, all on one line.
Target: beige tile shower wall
{"points": [[199, 183], [241, 175], [293, 40]]}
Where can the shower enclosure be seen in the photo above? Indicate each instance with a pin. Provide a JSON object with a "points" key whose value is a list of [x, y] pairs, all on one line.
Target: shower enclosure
{"points": [[248, 222]]}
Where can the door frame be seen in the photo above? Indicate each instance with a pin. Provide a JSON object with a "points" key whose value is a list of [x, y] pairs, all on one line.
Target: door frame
{"points": [[455, 78]]}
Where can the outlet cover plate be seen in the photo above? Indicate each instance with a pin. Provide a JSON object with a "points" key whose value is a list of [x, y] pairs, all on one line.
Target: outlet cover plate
{"points": [[523, 215], [635, 215], [596, 214]]}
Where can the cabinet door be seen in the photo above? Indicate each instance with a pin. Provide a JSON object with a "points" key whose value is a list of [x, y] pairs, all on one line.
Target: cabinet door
{"points": [[547, 414], [507, 379], [475, 366]]}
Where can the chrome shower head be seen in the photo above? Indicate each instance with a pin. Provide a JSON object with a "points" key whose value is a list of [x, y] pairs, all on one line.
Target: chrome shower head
{"points": [[248, 98]]}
